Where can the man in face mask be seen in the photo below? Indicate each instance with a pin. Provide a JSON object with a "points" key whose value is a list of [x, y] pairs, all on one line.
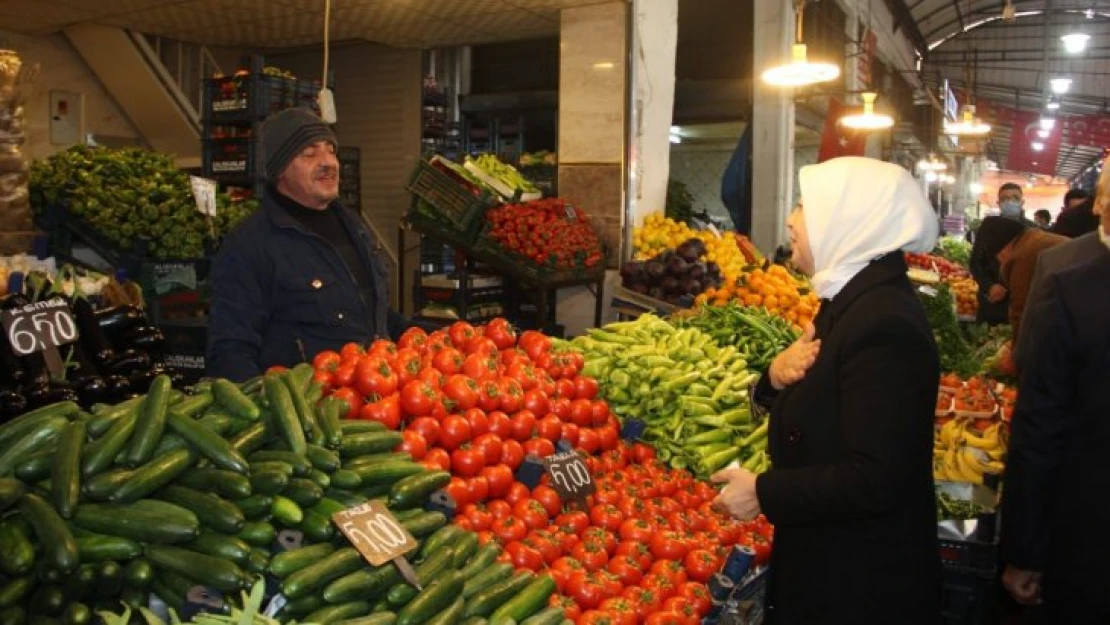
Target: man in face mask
{"points": [[994, 299]]}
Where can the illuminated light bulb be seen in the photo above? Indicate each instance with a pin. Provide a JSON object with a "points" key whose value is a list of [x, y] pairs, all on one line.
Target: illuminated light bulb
{"points": [[1048, 123], [1042, 133], [930, 176], [1060, 85], [800, 72], [975, 188], [1074, 43], [968, 125], [1037, 146], [868, 119]]}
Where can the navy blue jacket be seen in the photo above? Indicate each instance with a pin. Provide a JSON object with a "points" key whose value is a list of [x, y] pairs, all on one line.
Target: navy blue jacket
{"points": [[281, 294]]}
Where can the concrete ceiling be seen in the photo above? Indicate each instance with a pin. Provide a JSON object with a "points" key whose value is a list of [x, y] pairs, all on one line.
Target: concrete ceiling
{"points": [[291, 23]]}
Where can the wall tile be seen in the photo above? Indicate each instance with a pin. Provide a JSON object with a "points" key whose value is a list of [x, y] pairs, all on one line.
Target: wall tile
{"points": [[592, 84]]}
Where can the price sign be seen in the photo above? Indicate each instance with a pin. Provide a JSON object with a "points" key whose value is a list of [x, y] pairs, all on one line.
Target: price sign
{"points": [[204, 192], [37, 327], [375, 532], [569, 476]]}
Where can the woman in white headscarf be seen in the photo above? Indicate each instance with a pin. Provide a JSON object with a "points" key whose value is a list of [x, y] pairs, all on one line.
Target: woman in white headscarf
{"points": [[851, 431]]}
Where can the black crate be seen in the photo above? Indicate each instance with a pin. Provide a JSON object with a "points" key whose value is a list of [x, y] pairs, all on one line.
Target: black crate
{"points": [[451, 203], [231, 160], [242, 99], [185, 346]]}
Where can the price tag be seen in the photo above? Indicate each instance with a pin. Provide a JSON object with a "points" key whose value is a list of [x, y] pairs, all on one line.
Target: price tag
{"points": [[204, 192], [36, 327], [928, 290], [377, 535], [569, 476]]}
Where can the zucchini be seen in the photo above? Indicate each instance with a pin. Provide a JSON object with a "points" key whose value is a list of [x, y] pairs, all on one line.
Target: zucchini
{"points": [[485, 556], [380, 618], [230, 397], [15, 590], [345, 478], [33, 468], [250, 438], [305, 414], [65, 479], [77, 614], [284, 412], [485, 602], [317, 527], [327, 507], [80, 585], [360, 427], [49, 600], [319, 478], [426, 571], [96, 548], [286, 563], [204, 569], [546, 616], [227, 547], [212, 511], [101, 487], [345, 497], [358, 461], [327, 415], [425, 523], [167, 595], [334, 613], [139, 573], [210, 444], [15, 615], [269, 481], [465, 546], [305, 492], [286, 511], [167, 524], [100, 455], [301, 465], [258, 561], [59, 546], [11, 489], [369, 443], [414, 490], [43, 433], [388, 472], [493, 574], [153, 476], [298, 608], [256, 507], [339, 563], [323, 459], [284, 468], [361, 583], [450, 616], [258, 534], [440, 538], [17, 554], [109, 579], [527, 602], [228, 484], [150, 423], [435, 598]]}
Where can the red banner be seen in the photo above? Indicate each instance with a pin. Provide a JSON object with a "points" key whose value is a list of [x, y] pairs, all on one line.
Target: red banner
{"points": [[1025, 135], [1091, 130], [837, 140]]}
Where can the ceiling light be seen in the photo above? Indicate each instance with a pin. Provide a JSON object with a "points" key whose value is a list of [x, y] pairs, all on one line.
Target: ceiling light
{"points": [[676, 139], [931, 164], [1053, 104], [675, 130], [1075, 43], [949, 179], [799, 72], [1090, 13], [930, 176], [868, 119], [1009, 12], [1060, 85], [968, 124], [1048, 123], [1028, 184], [1037, 146], [975, 188], [604, 65], [1042, 133]]}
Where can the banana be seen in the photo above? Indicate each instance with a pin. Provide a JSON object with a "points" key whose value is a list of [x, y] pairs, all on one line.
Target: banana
{"points": [[967, 468], [996, 455], [950, 433], [988, 441]]}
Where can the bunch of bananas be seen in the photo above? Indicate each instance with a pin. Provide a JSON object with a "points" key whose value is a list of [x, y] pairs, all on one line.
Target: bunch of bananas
{"points": [[959, 455]]}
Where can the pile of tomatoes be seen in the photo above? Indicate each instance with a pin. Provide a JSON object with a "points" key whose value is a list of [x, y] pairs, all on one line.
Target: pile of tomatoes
{"points": [[548, 232], [638, 551]]}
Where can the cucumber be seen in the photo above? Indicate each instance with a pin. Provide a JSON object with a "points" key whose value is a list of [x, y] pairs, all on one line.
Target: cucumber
{"points": [[80, 585], [50, 600], [485, 602], [360, 427], [59, 546], [269, 481], [284, 468], [345, 478], [323, 459], [465, 546], [102, 487], [327, 507], [340, 612], [100, 454], [31, 421], [153, 475], [227, 395], [345, 497], [319, 478], [546, 616], [210, 444], [327, 415], [166, 524], [11, 490], [170, 442], [227, 547], [150, 423], [15, 590], [451, 616], [33, 468], [228, 484], [65, 479], [358, 461], [250, 438], [361, 583], [493, 574], [193, 405], [166, 594], [286, 511], [258, 561], [301, 465], [109, 579], [285, 413], [305, 414], [435, 598], [219, 423], [15, 615], [440, 538], [95, 548], [133, 597], [305, 492], [414, 490], [485, 556], [425, 523], [77, 614], [286, 563], [388, 472], [300, 607], [369, 443], [317, 527], [339, 563], [106, 416], [212, 511], [204, 569], [42, 433], [17, 554], [258, 534], [139, 573], [527, 602], [381, 618], [426, 571], [256, 507], [179, 584], [476, 620]]}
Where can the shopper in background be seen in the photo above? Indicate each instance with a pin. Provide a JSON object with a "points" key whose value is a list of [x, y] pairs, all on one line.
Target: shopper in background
{"points": [[993, 296], [303, 274], [1055, 510], [851, 430], [1043, 219], [1016, 249], [1078, 217]]}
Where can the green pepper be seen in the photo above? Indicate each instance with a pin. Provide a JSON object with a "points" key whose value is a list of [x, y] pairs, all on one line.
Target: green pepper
{"points": [[710, 436], [694, 409], [737, 416], [711, 464], [680, 382], [620, 379], [698, 389]]}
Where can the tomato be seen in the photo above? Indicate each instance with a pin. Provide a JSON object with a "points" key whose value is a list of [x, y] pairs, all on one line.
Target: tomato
{"points": [[349, 397], [540, 447], [597, 617], [439, 457], [344, 375], [432, 377], [642, 454], [524, 557], [418, 399], [697, 595], [592, 556], [512, 454], [413, 443], [627, 569], [477, 489], [581, 413], [448, 361], [606, 516], [571, 611], [660, 585], [467, 461], [501, 333], [549, 499], [524, 424], [577, 520], [564, 389], [464, 523], [602, 537], [461, 390], [672, 570], [426, 427], [499, 477], [550, 427], [481, 519], [761, 546], [668, 546], [608, 438], [326, 360], [536, 401], [588, 594], [479, 422], [512, 395], [647, 602], [570, 434], [585, 387], [532, 513], [500, 425], [406, 365], [454, 432], [351, 352], [636, 530], [513, 355], [576, 361], [459, 491], [509, 529], [547, 545], [524, 373], [324, 379], [588, 440], [374, 377], [461, 334], [490, 446], [517, 493], [608, 493], [534, 343], [480, 366], [499, 509], [414, 338], [636, 551], [623, 612], [701, 564], [665, 618]]}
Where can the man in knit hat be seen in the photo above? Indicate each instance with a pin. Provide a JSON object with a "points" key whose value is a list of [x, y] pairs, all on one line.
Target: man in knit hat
{"points": [[303, 274]]}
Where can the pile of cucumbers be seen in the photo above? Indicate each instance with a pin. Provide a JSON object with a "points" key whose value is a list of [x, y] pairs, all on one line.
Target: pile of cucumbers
{"points": [[172, 490]]}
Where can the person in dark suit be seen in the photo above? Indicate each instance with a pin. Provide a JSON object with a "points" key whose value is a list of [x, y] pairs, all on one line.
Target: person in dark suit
{"points": [[1078, 217], [851, 426]]}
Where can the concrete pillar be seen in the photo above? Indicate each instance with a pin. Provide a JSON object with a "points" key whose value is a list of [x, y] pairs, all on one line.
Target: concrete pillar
{"points": [[772, 126]]}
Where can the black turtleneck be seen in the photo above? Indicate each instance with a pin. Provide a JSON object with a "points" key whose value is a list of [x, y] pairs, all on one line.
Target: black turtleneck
{"points": [[327, 225]]}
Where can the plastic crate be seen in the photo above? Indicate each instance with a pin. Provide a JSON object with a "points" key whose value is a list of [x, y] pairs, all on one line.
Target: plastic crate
{"points": [[237, 99], [231, 159], [452, 203]]}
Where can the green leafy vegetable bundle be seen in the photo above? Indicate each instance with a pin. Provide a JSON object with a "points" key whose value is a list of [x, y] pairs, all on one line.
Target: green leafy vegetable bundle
{"points": [[757, 334]]}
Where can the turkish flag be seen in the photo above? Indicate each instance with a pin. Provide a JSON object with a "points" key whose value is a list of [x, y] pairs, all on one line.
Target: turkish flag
{"points": [[837, 140], [1024, 132], [1092, 130]]}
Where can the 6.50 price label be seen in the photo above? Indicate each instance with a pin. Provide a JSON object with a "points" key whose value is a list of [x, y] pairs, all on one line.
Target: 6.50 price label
{"points": [[36, 327], [569, 476], [375, 532]]}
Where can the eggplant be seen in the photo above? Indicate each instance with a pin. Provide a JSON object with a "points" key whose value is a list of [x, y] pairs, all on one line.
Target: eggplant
{"points": [[669, 284], [118, 387], [655, 270], [118, 319], [12, 404], [93, 338], [51, 394], [128, 362], [140, 380], [11, 369], [676, 266], [92, 390], [143, 338]]}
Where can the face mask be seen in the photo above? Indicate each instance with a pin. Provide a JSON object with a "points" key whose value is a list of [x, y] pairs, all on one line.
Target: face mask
{"points": [[1010, 208]]}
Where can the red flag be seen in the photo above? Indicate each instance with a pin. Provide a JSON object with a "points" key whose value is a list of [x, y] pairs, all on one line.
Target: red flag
{"points": [[837, 140], [1024, 136], [1092, 130]]}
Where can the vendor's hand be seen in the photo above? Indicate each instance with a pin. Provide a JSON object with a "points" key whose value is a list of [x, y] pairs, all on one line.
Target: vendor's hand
{"points": [[738, 498], [1023, 586], [791, 364], [996, 293]]}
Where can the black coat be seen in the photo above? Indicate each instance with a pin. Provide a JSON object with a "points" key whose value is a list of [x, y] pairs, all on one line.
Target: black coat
{"points": [[851, 491], [1055, 507], [281, 294]]}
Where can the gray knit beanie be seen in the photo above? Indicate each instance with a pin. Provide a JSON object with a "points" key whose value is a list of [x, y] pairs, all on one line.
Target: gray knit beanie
{"points": [[286, 133]]}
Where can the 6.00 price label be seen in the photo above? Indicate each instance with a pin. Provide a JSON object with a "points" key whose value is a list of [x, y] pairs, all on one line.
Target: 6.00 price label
{"points": [[569, 476], [36, 327], [375, 532]]}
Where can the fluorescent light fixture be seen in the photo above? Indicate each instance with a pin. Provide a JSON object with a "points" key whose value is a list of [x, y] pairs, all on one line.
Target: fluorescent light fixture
{"points": [[1060, 85], [868, 119], [800, 72], [968, 124], [1053, 104], [1037, 146], [975, 188], [1048, 123], [675, 130], [1074, 43], [1042, 133], [676, 139], [930, 176]]}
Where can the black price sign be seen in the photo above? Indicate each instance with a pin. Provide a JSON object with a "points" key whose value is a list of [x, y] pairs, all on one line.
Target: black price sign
{"points": [[37, 327], [375, 532], [569, 475]]}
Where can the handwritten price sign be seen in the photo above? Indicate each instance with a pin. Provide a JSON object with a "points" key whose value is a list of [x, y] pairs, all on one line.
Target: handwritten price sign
{"points": [[375, 532], [569, 476], [36, 327]]}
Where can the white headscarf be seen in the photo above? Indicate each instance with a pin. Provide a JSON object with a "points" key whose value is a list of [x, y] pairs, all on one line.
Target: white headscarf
{"points": [[858, 209]]}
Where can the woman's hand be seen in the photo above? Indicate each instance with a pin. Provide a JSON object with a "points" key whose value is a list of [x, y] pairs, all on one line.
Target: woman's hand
{"points": [[791, 364], [738, 497]]}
